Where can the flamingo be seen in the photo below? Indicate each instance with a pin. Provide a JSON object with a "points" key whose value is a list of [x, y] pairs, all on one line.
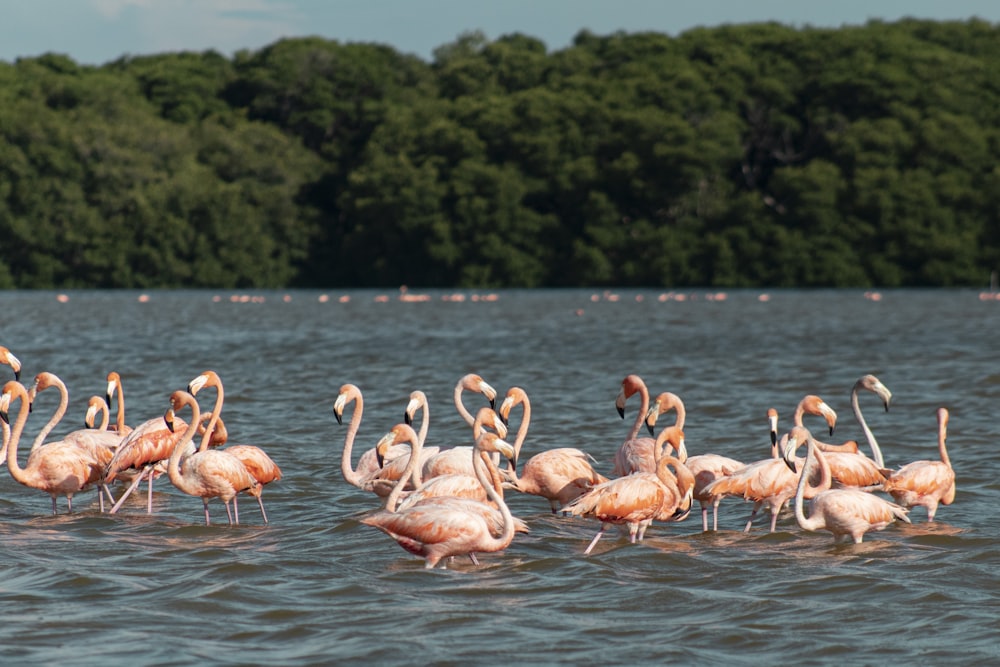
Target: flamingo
{"points": [[849, 512], [559, 475], [637, 499], [475, 383], [59, 468], [925, 483], [447, 527], [635, 453], [207, 474], [115, 389], [706, 468], [256, 460]]}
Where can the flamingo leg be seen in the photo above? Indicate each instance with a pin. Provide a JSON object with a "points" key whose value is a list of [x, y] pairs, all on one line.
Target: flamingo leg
{"points": [[774, 519], [262, 512], [204, 501], [236, 510], [472, 556], [753, 514], [149, 493], [129, 490], [704, 518], [54, 510], [594, 541]]}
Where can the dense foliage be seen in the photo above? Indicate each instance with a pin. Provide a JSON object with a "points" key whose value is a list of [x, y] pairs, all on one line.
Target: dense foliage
{"points": [[751, 155]]}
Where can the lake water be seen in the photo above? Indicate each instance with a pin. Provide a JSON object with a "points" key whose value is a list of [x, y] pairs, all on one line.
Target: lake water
{"points": [[318, 587]]}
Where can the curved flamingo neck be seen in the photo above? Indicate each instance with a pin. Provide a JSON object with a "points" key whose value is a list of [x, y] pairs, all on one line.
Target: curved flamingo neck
{"points": [[522, 433], [825, 481], [120, 414], [346, 469], [460, 406], [478, 463], [412, 471], [102, 406], [206, 437], [869, 436], [19, 474], [57, 416], [425, 421], [177, 478], [643, 409]]}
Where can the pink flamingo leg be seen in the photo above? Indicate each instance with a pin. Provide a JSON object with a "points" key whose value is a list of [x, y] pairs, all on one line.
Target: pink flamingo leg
{"points": [[128, 491]]}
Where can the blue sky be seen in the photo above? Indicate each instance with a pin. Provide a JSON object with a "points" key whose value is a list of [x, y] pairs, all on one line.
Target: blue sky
{"points": [[97, 31]]}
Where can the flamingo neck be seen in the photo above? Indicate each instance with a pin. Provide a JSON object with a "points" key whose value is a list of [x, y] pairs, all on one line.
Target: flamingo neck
{"points": [[643, 409], [812, 454], [522, 433], [214, 419], [942, 436], [19, 474], [412, 470], [56, 417], [460, 406], [478, 464], [120, 414], [346, 469], [869, 436], [177, 478]]}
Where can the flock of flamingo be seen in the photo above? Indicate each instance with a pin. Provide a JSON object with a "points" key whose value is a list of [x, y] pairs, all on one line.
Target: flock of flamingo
{"points": [[446, 502], [442, 502]]}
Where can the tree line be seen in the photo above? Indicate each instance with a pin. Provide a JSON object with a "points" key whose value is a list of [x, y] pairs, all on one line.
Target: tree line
{"points": [[735, 156]]}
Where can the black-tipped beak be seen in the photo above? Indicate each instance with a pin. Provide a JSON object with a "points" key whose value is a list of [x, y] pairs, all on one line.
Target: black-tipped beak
{"points": [[4, 417], [337, 415], [513, 463], [170, 424], [790, 464], [407, 419], [107, 399], [380, 459], [493, 403], [189, 389], [503, 419], [886, 406], [831, 430], [774, 438], [621, 412], [17, 376]]}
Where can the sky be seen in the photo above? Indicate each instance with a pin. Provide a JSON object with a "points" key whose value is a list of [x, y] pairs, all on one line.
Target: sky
{"points": [[94, 32]]}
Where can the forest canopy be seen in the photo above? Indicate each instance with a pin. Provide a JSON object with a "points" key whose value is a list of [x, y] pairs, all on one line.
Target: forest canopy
{"points": [[755, 155]]}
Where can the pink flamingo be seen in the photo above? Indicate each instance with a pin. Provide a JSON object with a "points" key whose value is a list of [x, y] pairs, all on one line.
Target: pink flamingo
{"points": [[706, 468], [207, 474], [849, 512], [256, 460], [445, 527], [637, 499], [635, 454], [59, 468], [925, 483], [396, 460], [96, 405], [559, 475]]}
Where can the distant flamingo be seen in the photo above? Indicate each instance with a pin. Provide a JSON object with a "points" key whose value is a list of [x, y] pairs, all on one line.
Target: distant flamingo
{"points": [[446, 527], [559, 475], [636, 500], [115, 389], [926, 483], [706, 468], [637, 454], [59, 468], [256, 460], [843, 512], [209, 474]]}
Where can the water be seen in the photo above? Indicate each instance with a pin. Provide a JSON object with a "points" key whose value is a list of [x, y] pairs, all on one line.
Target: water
{"points": [[317, 587]]}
